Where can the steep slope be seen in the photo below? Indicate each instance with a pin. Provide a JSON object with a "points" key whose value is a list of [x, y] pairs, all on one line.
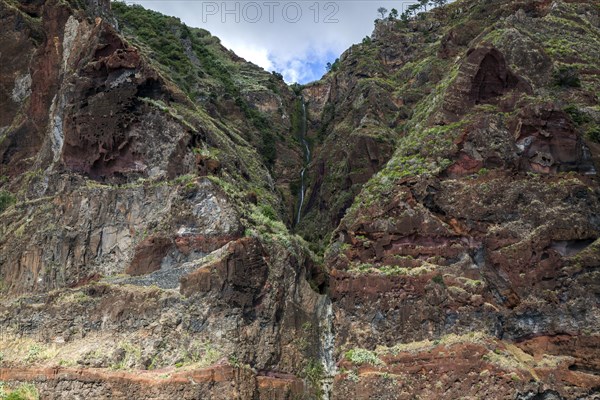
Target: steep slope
{"points": [[141, 223], [480, 234], [150, 184]]}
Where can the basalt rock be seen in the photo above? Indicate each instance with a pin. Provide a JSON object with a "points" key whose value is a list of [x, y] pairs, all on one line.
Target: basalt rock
{"points": [[149, 255], [548, 142], [115, 82], [465, 364], [151, 176], [483, 78], [126, 188], [484, 220], [239, 276]]}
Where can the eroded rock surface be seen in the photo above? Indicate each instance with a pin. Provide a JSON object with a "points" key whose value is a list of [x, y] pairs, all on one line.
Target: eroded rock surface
{"points": [[448, 245]]}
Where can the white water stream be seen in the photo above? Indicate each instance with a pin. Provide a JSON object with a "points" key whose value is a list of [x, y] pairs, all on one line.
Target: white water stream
{"points": [[306, 161], [327, 342]]}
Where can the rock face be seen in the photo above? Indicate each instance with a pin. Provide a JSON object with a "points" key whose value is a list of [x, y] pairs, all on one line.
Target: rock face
{"points": [[479, 224], [483, 78], [135, 227], [450, 226]]}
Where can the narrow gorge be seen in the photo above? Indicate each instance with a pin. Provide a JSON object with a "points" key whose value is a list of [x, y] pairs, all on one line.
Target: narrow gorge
{"points": [[423, 222], [306, 151]]}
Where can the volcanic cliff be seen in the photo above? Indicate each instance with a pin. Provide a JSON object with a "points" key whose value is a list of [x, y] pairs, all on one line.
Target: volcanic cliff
{"points": [[154, 246]]}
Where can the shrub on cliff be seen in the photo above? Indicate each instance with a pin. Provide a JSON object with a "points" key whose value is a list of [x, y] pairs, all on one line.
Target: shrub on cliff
{"points": [[23, 392], [362, 356], [594, 134], [6, 199], [576, 115], [567, 76]]}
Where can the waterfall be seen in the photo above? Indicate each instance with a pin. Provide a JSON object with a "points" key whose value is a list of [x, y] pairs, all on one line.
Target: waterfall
{"points": [[326, 346], [306, 151], [587, 159]]}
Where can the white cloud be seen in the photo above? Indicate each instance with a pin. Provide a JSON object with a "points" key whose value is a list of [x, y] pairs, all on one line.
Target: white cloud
{"points": [[251, 52], [298, 50]]}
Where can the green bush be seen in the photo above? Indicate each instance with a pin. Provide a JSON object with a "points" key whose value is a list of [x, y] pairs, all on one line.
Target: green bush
{"points": [[439, 279], [333, 67], [577, 116], [567, 76], [268, 212], [6, 200], [25, 391], [594, 134], [314, 372], [162, 35], [297, 88], [363, 356]]}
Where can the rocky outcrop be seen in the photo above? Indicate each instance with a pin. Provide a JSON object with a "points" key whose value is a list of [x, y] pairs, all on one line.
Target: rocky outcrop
{"points": [[148, 255], [483, 78], [538, 138], [127, 189], [240, 276], [548, 142], [219, 382], [469, 364], [504, 259], [151, 176]]}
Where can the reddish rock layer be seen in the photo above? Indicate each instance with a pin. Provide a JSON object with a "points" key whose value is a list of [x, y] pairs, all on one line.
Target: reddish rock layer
{"points": [[217, 382]]}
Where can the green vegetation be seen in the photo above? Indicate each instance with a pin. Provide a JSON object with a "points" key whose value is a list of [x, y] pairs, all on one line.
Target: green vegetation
{"points": [[163, 35], [363, 356], [33, 353], [208, 73], [266, 221], [201, 353], [417, 85], [6, 200], [234, 361], [352, 376], [567, 76], [268, 212], [583, 120], [559, 47], [260, 122], [393, 270], [314, 373], [131, 355], [297, 88], [594, 134], [363, 267], [333, 67], [577, 116], [420, 152], [411, 10], [25, 391], [202, 68], [296, 117], [439, 279]]}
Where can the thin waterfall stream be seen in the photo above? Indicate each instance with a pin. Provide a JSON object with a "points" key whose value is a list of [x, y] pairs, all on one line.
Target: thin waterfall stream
{"points": [[306, 151], [327, 343], [325, 308]]}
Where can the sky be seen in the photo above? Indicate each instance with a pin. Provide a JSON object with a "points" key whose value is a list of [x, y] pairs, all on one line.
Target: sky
{"points": [[295, 38]]}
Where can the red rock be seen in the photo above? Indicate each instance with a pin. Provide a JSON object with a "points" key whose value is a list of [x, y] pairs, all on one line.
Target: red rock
{"points": [[149, 254]]}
